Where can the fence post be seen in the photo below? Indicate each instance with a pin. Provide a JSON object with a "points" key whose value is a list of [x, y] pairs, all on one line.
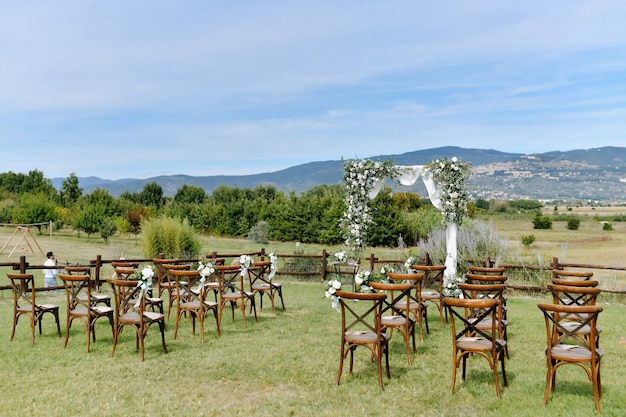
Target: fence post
{"points": [[324, 264], [98, 265], [555, 263], [372, 262], [23, 264]]}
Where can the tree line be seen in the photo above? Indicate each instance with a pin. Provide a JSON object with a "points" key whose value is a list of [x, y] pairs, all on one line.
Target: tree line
{"points": [[261, 213]]}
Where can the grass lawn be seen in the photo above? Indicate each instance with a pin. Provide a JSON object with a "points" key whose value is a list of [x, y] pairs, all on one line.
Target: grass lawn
{"points": [[286, 364]]}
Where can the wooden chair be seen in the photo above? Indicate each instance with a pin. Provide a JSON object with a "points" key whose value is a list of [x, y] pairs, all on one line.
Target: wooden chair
{"points": [[130, 310], [96, 297], [432, 287], [165, 279], [417, 306], [566, 345], [361, 326], [192, 289], [577, 296], [496, 292], [469, 338], [396, 313], [232, 291], [154, 303], [490, 279], [262, 282], [80, 305], [24, 304], [486, 270]]}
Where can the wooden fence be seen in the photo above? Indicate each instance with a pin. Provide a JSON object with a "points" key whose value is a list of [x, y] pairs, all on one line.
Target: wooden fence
{"points": [[315, 266]]}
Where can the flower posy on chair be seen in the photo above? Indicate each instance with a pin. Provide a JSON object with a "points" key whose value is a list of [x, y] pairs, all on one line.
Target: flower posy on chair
{"points": [[145, 281], [332, 287]]}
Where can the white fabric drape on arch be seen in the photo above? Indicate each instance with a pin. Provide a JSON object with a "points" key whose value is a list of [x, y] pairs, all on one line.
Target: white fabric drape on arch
{"points": [[408, 176]]}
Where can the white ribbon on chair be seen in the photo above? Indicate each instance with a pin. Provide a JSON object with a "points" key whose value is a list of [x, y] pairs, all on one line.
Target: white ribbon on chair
{"points": [[145, 283], [273, 259]]}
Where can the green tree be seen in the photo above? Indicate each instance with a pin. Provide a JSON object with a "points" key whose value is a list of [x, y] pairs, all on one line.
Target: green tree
{"points": [[70, 191], [35, 209], [190, 194], [107, 229], [152, 195], [88, 221], [542, 222]]}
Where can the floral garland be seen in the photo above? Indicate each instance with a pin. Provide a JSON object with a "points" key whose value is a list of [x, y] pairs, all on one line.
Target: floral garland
{"points": [[450, 176], [359, 178]]}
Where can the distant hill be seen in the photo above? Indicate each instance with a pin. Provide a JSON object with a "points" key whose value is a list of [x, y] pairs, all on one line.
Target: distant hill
{"points": [[590, 174]]}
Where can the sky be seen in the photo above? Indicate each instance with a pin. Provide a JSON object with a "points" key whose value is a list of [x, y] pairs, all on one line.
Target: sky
{"points": [[137, 89]]}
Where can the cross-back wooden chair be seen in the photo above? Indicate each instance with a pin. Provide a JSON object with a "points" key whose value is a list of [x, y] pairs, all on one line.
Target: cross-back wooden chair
{"points": [[396, 313], [130, 310], [233, 292], [469, 338], [417, 306], [566, 344], [80, 305], [575, 295], [262, 282], [128, 273], [496, 292], [490, 279], [96, 297], [25, 304], [361, 326], [192, 290], [166, 281], [432, 287], [486, 270]]}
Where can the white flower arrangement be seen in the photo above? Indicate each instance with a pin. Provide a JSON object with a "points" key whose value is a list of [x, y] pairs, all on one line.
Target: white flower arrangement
{"points": [[339, 257], [451, 286], [364, 278], [409, 263], [206, 269], [359, 178], [273, 265], [332, 287], [144, 282], [244, 262], [450, 176]]}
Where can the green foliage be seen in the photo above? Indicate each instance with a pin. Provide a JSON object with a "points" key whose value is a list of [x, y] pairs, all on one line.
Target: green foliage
{"points": [[542, 222], [607, 226], [34, 183], [172, 237], [573, 223], [70, 191], [528, 240], [259, 232], [107, 229], [525, 204], [35, 208], [89, 220], [482, 204], [419, 223], [188, 194]]}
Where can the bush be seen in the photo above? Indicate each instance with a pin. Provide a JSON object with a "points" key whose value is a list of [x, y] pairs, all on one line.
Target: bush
{"points": [[528, 240], [542, 222], [172, 237], [607, 226], [573, 224], [259, 232]]}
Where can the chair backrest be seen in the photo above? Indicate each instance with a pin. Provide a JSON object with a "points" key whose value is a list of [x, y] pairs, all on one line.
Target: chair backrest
{"points": [[460, 310], [559, 330], [77, 269], [125, 273], [575, 283], [127, 297], [77, 291], [23, 286], [485, 279], [433, 275], [400, 293], [230, 278], [484, 270], [190, 284], [416, 279], [572, 275], [574, 295], [366, 317]]}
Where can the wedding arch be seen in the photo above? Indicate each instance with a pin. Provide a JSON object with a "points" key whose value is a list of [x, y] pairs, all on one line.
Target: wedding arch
{"points": [[445, 181]]}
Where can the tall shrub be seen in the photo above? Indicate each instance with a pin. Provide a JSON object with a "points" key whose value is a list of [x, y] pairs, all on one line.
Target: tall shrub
{"points": [[172, 237]]}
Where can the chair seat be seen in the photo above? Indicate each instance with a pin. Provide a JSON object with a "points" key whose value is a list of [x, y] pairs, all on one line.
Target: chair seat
{"points": [[364, 337], [394, 321], [48, 306], [476, 344], [103, 309], [573, 353], [431, 295]]}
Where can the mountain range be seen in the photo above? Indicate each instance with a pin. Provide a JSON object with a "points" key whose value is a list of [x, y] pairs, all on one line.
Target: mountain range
{"points": [[597, 174]]}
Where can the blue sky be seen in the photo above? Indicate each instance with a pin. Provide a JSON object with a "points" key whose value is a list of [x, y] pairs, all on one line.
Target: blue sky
{"points": [[122, 89]]}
